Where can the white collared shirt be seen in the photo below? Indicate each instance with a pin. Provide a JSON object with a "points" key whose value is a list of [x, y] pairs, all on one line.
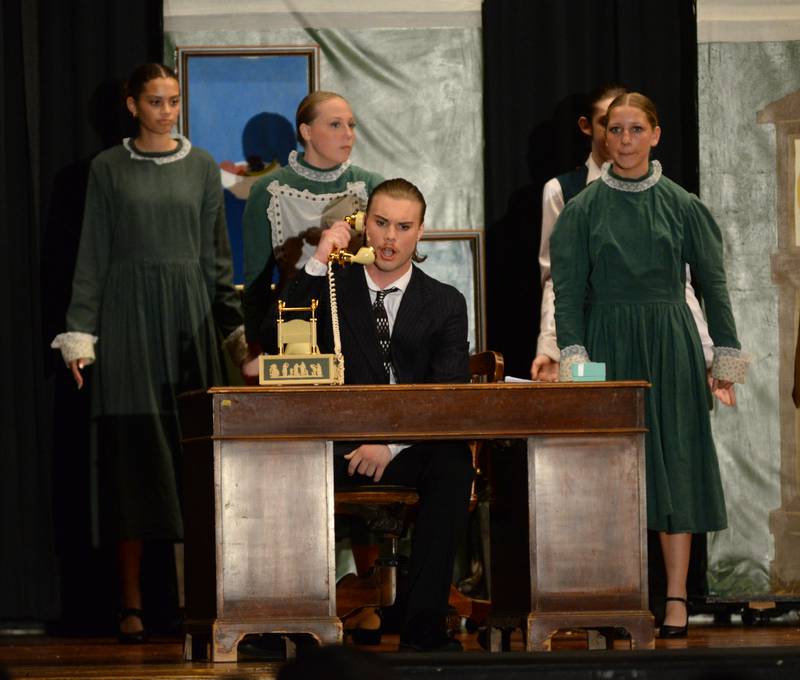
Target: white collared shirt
{"points": [[392, 301]]}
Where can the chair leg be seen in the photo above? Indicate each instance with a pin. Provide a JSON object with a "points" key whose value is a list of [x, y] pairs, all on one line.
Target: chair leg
{"points": [[365, 557]]}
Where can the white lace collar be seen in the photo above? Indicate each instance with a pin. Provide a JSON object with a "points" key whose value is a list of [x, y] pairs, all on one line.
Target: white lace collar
{"points": [[160, 158], [629, 185], [316, 175]]}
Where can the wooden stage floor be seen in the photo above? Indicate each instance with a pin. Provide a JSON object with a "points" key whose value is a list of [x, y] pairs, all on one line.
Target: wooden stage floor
{"points": [[98, 658]]}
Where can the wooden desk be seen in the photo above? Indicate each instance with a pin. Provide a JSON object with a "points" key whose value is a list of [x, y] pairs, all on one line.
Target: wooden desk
{"points": [[258, 483]]}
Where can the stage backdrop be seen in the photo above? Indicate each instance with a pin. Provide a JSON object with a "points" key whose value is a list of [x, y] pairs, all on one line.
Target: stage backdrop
{"points": [[745, 63]]}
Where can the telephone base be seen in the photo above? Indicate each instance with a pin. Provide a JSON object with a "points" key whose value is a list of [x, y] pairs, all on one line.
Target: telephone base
{"points": [[297, 369]]}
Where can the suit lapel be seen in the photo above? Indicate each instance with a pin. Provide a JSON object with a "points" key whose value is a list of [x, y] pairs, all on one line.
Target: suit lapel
{"points": [[355, 311], [414, 308]]}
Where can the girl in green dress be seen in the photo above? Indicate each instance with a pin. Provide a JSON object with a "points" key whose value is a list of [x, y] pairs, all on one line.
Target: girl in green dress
{"points": [[316, 188], [556, 193], [152, 286], [619, 255]]}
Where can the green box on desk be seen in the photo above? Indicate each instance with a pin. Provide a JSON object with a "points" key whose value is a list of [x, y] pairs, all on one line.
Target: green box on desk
{"points": [[589, 372]]}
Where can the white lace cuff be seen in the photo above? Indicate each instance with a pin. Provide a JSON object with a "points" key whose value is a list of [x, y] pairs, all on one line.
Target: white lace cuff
{"points": [[574, 354], [75, 345], [730, 364], [236, 346], [546, 344]]}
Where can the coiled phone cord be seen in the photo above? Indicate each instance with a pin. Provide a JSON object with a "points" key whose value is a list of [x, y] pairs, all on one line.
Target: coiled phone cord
{"points": [[337, 340]]}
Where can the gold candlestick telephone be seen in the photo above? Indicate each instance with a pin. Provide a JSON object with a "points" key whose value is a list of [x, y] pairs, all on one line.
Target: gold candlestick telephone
{"points": [[299, 361]]}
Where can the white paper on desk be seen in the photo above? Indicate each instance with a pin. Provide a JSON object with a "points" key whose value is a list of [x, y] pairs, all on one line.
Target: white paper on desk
{"points": [[511, 378]]}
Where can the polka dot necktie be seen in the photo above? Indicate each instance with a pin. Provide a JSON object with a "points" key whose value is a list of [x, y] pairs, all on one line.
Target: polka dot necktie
{"points": [[382, 325]]}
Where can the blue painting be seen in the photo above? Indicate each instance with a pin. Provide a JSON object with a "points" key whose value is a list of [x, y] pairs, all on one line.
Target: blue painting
{"points": [[239, 105]]}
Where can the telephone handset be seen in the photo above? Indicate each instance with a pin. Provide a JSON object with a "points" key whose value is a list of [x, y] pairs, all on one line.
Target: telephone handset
{"points": [[364, 255]]}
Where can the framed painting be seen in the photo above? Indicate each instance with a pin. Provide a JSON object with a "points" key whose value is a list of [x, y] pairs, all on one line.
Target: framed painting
{"points": [[238, 103], [457, 257]]}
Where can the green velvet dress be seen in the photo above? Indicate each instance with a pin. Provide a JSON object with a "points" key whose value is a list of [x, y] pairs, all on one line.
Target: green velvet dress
{"points": [[619, 251], [153, 274]]}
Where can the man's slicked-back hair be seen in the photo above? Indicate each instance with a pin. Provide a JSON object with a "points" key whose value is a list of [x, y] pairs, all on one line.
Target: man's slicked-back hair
{"points": [[400, 188]]}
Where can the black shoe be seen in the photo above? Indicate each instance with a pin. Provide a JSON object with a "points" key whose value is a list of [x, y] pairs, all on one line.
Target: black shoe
{"points": [[672, 632], [356, 630], [426, 632], [136, 637]]}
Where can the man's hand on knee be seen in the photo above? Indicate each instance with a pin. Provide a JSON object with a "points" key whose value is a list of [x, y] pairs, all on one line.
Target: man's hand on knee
{"points": [[369, 460]]}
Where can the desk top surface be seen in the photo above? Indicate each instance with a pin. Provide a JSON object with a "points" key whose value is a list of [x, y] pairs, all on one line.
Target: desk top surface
{"points": [[412, 412], [432, 387]]}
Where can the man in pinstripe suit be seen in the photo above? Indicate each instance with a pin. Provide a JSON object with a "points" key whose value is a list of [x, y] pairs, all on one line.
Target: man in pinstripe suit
{"points": [[399, 325]]}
